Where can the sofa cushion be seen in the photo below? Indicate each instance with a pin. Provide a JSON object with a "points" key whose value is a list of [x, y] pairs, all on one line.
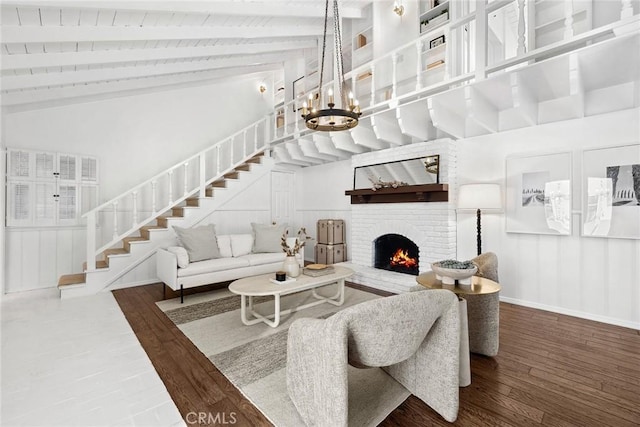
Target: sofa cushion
{"points": [[266, 258], [181, 254], [241, 244], [212, 265], [200, 242], [224, 245], [267, 238]]}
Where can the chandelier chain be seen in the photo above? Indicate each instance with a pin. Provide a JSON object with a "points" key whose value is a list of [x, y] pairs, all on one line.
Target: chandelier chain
{"points": [[324, 48], [339, 58]]}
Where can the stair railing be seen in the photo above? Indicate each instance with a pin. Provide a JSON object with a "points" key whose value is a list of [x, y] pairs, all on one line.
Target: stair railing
{"points": [[121, 216]]}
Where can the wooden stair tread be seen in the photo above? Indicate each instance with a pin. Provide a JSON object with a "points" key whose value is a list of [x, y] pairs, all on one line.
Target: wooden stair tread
{"points": [[152, 227], [221, 183], [244, 167], [99, 264], [134, 239], [72, 279], [231, 175], [118, 251]]}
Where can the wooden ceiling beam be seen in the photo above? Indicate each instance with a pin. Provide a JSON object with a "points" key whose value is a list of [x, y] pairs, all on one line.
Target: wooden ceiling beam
{"points": [[53, 34], [62, 59]]}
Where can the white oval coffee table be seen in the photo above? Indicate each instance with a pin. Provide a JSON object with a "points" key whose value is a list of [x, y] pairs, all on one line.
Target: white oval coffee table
{"points": [[255, 286]]}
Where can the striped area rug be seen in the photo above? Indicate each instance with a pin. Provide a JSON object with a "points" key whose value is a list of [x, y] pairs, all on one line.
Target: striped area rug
{"points": [[254, 357]]}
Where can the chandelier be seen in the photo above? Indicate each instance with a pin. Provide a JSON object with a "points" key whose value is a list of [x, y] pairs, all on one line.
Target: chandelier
{"points": [[332, 118]]}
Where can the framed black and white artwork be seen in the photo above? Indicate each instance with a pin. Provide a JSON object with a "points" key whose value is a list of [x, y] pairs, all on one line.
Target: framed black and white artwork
{"points": [[611, 192], [538, 194]]}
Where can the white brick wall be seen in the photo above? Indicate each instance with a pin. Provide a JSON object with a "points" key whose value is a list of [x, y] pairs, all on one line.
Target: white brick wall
{"points": [[431, 226]]}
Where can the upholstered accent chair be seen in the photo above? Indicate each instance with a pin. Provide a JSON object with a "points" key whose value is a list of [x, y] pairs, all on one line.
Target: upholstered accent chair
{"points": [[483, 311], [414, 337]]}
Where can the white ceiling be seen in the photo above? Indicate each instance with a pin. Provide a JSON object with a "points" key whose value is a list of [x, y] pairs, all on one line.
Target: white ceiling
{"points": [[57, 50]]}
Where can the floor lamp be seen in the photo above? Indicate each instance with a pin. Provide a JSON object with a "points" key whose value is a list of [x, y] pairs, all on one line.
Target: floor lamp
{"points": [[479, 196]]}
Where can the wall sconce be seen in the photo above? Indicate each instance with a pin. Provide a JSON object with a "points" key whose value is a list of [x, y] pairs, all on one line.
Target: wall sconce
{"points": [[262, 88], [398, 8]]}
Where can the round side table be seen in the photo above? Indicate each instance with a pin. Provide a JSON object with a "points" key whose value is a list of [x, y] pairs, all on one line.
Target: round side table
{"points": [[483, 310]]}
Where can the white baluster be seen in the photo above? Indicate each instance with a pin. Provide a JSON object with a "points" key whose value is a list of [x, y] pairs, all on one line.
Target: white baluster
{"points": [[568, 21], [244, 144], [522, 49], [171, 187], [255, 138], [448, 57], [394, 75], [218, 160], [231, 152], [115, 220], [373, 86], [153, 196], [91, 241], [186, 178], [134, 198], [203, 175], [419, 65], [627, 9]]}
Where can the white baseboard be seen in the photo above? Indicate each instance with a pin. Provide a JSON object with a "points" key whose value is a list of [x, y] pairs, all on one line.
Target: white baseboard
{"points": [[574, 313]]}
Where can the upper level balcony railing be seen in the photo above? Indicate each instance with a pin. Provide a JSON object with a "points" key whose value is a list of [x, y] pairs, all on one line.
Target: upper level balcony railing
{"points": [[480, 40]]}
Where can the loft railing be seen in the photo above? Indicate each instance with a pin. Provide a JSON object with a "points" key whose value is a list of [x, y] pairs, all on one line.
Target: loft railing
{"points": [[123, 215], [413, 70]]}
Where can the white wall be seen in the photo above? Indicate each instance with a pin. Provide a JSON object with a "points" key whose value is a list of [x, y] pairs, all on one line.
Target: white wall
{"points": [[139, 136], [320, 195], [134, 138], [393, 31], [588, 277]]}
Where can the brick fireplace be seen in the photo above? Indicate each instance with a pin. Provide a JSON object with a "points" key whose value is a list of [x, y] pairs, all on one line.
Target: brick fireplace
{"points": [[430, 225]]}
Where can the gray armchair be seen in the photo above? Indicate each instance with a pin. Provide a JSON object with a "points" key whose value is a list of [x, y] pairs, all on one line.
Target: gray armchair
{"points": [[415, 337]]}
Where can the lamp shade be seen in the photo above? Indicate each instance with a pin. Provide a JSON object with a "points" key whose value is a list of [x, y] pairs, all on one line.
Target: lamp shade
{"points": [[479, 196]]}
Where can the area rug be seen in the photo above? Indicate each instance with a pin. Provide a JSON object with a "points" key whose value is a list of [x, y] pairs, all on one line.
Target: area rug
{"points": [[254, 357]]}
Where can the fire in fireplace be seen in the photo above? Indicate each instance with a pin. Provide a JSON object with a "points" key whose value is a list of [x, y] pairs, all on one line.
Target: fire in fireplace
{"points": [[394, 252]]}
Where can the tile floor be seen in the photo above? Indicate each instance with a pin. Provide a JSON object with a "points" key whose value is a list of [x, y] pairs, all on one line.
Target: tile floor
{"points": [[76, 363]]}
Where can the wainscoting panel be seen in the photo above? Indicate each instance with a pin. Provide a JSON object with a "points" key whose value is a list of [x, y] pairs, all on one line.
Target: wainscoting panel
{"points": [[37, 257]]}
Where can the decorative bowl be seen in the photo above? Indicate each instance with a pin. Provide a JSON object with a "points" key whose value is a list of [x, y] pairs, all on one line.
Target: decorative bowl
{"points": [[449, 275]]}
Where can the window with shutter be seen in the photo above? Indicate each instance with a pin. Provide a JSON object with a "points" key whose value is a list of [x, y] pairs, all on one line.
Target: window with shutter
{"points": [[21, 205], [19, 164], [67, 206], [45, 205], [45, 165], [67, 167], [89, 169], [49, 188]]}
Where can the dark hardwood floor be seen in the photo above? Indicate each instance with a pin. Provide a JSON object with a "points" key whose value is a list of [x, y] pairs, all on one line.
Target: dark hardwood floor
{"points": [[551, 370]]}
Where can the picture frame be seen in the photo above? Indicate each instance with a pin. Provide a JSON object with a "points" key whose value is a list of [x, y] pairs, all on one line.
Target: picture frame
{"points": [[611, 192], [539, 194], [298, 93], [436, 42]]}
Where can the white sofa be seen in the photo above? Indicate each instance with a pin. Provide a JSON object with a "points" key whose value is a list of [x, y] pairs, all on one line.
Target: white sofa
{"points": [[236, 261]]}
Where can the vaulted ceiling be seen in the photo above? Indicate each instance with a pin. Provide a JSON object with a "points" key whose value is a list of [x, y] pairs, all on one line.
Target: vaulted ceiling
{"points": [[70, 50]]}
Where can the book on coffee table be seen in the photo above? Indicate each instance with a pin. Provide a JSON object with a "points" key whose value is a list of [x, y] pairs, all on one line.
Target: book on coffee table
{"points": [[316, 270]]}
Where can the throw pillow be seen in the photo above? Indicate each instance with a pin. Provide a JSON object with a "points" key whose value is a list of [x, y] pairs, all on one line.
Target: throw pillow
{"points": [[224, 244], [181, 254], [241, 244], [200, 242], [266, 238]]}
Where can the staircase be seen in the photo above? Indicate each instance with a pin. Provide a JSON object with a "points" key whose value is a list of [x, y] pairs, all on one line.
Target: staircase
{"points": [[214, 179]]}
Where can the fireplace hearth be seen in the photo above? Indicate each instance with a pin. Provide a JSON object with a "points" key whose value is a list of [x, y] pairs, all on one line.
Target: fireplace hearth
{"points": [[397, 253]]}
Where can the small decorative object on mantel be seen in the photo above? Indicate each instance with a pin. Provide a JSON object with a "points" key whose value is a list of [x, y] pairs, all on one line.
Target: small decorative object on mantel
{"points": [[449, 271], [291, 265], [379, 183]]}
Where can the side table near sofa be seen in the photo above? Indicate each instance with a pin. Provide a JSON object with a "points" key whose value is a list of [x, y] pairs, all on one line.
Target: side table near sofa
{"points": [[483, 310]]}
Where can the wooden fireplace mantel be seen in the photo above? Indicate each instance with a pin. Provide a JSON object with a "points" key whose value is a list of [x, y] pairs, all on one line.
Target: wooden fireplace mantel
{"points": [[405, 194]]}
